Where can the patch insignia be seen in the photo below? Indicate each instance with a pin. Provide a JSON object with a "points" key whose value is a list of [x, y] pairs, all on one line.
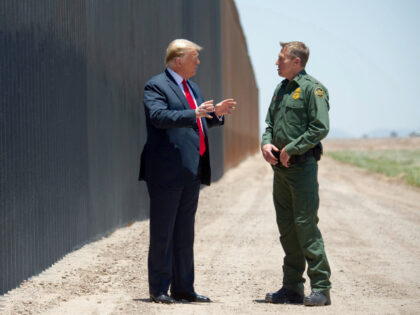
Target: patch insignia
{"points": [[296, 93], [319, 92]]}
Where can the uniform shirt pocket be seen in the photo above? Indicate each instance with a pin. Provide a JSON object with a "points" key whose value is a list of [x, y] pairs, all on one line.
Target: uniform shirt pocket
{"points": [[296, 113]]}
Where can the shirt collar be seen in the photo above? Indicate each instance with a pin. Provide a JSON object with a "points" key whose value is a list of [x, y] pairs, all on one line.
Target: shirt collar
{"points": [[178, 79], [297, 78]]}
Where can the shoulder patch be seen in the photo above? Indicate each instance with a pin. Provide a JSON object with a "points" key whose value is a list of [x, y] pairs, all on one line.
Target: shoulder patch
{"points": [[319, 92]]}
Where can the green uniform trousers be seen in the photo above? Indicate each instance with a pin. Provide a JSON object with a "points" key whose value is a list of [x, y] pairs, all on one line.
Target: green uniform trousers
{"points": [[295, 194]]}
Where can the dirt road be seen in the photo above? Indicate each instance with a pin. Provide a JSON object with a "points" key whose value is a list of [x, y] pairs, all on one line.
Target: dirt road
{"points": [[371, 229]]}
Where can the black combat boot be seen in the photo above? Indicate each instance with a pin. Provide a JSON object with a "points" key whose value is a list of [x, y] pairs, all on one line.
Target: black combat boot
{"points": [[284, 296], [317, 299]]}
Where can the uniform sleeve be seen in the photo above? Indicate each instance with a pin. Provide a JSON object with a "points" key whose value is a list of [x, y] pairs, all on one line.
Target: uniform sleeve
{"points": [[156, 106], [318, 122], [267, 136]]}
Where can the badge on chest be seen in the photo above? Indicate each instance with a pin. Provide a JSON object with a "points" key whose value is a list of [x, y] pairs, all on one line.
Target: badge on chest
{"points": [[296, 94]]}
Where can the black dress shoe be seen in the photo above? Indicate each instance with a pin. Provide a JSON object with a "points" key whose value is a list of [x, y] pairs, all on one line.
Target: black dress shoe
{"points": [[162, 298], [317, 299], [190, 297], [284, 296]]}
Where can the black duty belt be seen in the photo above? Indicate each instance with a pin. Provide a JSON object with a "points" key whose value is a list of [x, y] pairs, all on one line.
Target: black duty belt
{"points": [[315, 152], [297, 159]]}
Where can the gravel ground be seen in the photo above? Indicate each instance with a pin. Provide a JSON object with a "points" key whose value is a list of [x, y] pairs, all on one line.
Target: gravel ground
{"points": [[370, 226]]}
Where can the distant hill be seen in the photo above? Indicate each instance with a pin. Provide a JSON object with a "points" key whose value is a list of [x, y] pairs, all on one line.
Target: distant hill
{"points": [[339, 134], [378, 133], [386, 133]]}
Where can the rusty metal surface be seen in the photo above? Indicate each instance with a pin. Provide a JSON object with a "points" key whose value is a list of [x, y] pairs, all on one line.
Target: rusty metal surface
{"points": [[240, 135]]}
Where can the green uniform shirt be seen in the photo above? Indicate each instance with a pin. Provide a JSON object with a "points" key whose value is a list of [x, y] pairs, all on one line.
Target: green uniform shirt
{"points": [[298, 115]]}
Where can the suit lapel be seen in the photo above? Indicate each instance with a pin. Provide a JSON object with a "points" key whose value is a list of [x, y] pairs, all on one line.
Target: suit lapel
{"points": [[177, 90], [198, 100], [204, 123], [174, 86]]}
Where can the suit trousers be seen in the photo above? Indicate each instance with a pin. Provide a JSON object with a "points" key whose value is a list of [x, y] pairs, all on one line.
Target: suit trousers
{"points": [[171, 256], [295, 194]]}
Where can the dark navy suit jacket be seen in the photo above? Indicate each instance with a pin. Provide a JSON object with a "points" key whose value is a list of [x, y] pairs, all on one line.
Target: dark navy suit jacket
{"points": [[171, 154]]}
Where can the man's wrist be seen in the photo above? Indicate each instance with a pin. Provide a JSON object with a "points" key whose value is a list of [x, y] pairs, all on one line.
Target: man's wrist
{"points": [[263, 143], [289, 149]]}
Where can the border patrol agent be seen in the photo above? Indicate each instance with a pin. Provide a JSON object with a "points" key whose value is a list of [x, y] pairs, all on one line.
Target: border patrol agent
{"points": [[297, 121]]}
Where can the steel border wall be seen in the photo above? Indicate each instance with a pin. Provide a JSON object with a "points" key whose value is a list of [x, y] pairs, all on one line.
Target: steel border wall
{"points": [[71, 119]]}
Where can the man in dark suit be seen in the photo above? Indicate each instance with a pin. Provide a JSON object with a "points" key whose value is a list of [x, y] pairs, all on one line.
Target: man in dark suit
{"points": [[174, 162]]}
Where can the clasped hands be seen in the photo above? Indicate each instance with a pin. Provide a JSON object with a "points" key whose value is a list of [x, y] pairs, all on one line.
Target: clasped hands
{"points": [[267, 151], [226, 106]]}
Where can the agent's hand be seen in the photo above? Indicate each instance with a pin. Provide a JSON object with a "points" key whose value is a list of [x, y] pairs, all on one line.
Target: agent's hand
{"points": [[284, 158], [225, 107], [204, 109], [268, 155]]}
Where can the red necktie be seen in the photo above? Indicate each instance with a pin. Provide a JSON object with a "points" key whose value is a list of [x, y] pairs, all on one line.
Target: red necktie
{"points": [[192, 105]]}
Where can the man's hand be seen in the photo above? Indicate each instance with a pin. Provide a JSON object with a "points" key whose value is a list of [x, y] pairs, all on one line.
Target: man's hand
{"points": [[284, 158], [204, 109], [268, 155], [225, 107]]}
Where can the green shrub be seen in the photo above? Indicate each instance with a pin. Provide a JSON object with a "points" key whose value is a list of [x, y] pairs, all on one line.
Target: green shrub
{"points": [[393, 163]]}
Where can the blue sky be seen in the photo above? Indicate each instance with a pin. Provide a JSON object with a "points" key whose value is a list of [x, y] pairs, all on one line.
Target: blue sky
{"points": [[365, 52]]}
